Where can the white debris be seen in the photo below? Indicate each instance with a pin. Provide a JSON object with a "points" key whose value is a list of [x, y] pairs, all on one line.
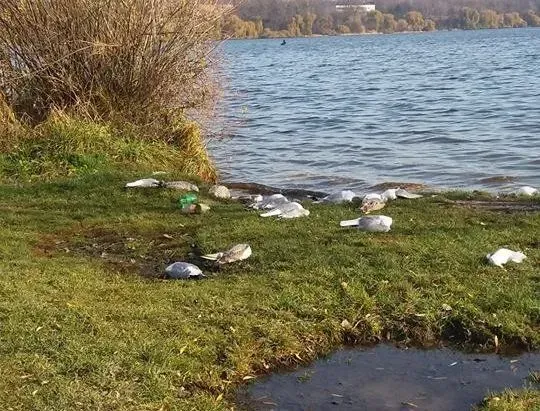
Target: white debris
{"points": [[373, 223], [504, 255]]}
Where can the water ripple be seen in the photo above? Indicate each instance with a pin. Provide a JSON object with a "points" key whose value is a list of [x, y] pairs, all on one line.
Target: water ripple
{"points": [[343, 112]]}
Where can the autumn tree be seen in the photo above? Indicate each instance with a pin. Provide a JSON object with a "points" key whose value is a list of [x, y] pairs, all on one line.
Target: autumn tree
{"points": [[415, 20], [373, 21]]}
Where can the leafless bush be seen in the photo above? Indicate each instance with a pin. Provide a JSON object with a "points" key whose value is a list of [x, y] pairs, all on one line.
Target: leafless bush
{"points": [[135, 60]]}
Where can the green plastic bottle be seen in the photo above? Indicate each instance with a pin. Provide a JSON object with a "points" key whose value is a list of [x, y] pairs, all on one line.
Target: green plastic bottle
{"points": [[186, 200]]}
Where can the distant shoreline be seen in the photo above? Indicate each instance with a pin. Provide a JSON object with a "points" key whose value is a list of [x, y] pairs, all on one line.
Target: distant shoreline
{"points": [[376, 33]]}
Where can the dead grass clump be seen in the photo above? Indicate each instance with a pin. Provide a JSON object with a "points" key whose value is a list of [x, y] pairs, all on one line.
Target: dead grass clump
{"points": [[143, 61]]}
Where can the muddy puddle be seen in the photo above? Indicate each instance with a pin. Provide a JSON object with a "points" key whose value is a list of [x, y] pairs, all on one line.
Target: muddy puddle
{"points": [[389, 378]]}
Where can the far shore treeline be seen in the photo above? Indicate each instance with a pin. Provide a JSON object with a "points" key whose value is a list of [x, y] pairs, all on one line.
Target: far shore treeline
{"points": [[294, 18]]}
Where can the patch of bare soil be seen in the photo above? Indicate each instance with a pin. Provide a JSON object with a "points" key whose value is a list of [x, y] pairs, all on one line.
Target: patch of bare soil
{"points": [[145, 254]]}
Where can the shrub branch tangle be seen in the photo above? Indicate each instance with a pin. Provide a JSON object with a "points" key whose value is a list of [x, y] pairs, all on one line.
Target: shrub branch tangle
{"points": [[140, 61]]}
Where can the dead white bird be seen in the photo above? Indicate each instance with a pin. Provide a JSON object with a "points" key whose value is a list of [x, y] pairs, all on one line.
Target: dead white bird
{"points": [[183, 271], [287, 210], [269, 202], [390, 194], [237, 253], [180, 185], [402, 193], [526, 191], [372, 205], [504, 255], [144, 183], [344, 196], [219, 192], [370, 223]]}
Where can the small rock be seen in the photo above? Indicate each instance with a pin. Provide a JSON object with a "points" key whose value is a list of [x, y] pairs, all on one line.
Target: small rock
{"points": [[219, 192], [346, 325]]}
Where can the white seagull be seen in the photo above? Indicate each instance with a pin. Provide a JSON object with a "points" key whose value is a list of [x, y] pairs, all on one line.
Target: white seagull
{"points": [[180, 185], [390, 194], [287, 210], [269, 202], [344, 196], [370, 223], [504, 255], [526, 191], [183, 271], [237, 253], [144, 183]]}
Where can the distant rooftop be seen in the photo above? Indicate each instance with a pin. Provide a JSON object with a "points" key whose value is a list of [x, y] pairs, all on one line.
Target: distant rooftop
{"points": [[366, 8]]}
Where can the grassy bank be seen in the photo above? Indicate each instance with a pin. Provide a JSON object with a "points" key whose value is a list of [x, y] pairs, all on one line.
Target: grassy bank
{"points": [[86, 323]]}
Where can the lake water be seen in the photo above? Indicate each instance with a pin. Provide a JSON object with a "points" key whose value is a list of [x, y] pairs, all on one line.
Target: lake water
{"points": [[447, 109]]}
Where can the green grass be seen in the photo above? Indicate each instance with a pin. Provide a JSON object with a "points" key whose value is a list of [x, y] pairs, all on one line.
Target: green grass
{"points": [[86, 323], [65, 145], [513, 400]]}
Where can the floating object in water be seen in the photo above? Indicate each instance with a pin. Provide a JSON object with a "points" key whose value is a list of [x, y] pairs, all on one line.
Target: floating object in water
{"points": [[283, 42], [287, 210], [237, 253], [184, 271], [372, 205], [504, 255], [340, 197], [269, 202], [144, 183], [181, 185], [370, 223], [219, 192], [526, 191]]}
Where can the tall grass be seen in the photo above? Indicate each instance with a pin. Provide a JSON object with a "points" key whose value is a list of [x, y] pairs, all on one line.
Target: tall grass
{"points": [[141, 60], [132, 67]]}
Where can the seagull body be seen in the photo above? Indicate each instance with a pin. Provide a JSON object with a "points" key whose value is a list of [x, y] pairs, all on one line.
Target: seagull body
{"points": [[373, 196], [144, 183], [270, 202], [181, 185], [219, 192], [402, 193], [390, 194], [237, 253], [372, 205], [373, 223], [183, 271], [504, 255], [345, 196], [287, 210], [526, 191]]}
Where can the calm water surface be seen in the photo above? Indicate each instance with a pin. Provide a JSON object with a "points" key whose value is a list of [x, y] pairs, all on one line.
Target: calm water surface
{"points": [[385, 378], [447, 109]]}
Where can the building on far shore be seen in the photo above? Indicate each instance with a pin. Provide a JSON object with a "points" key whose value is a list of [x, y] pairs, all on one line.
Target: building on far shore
{"points": [[363, 8]]}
